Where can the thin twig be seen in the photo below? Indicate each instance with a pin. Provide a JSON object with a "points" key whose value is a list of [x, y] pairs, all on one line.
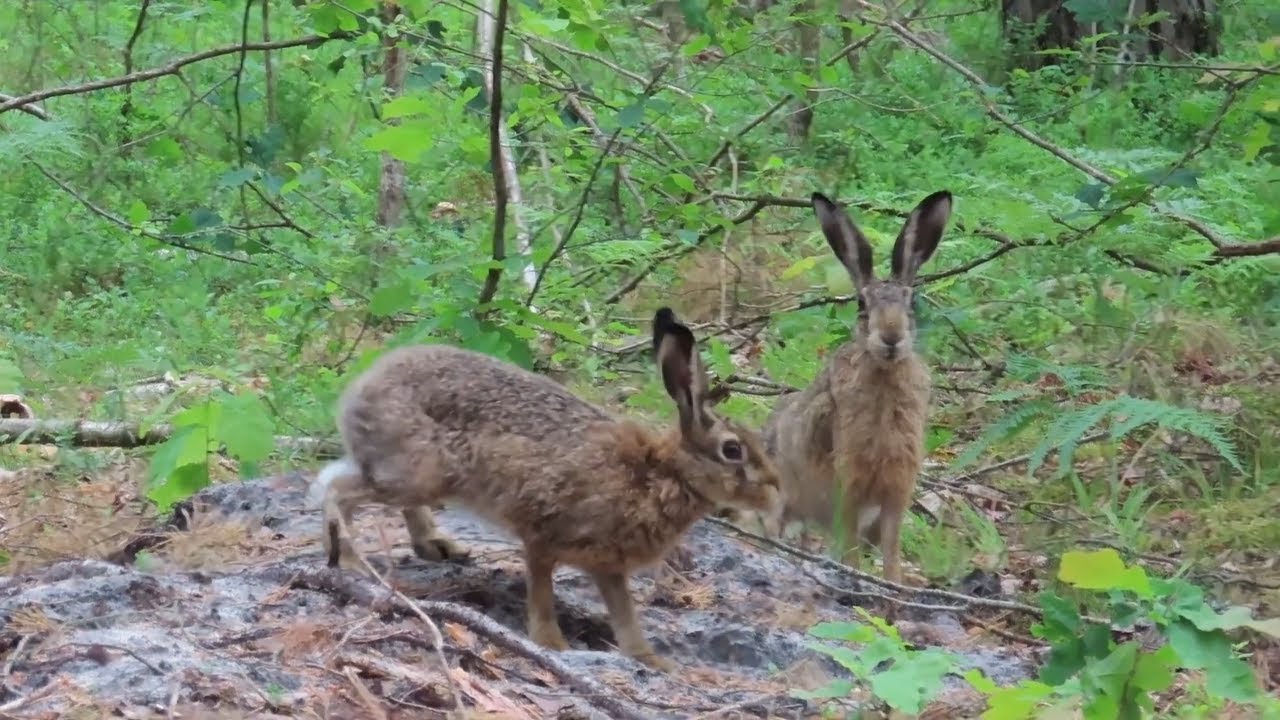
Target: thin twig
{"points": [[170, 68]]}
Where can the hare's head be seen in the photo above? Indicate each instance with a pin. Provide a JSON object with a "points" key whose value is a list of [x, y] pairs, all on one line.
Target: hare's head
{"points": [[733, 468], [886, 317]]}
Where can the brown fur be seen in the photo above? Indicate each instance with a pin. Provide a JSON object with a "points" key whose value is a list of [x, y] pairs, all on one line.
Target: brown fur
{"points": [[576, 485], [859, 426]]}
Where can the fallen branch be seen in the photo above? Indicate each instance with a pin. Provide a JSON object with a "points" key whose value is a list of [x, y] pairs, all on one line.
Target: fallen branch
{"points": [[168, 69], [365, 592], [91, 433]]}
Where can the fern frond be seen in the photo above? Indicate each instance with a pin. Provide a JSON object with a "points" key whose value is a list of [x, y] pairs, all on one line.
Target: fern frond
{"points": [[1197, 423], [1003, 429], [1064, 435]]}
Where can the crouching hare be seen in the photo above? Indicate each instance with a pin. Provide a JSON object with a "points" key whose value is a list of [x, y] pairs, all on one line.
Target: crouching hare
{"points": [[855, 435], [575, 484]]}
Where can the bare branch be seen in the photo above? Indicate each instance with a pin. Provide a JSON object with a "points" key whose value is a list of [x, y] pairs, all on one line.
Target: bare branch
{"points": [[167, 69], [90, 433]]}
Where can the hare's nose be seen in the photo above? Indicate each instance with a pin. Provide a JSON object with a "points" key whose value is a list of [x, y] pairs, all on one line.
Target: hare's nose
{"points": [[891, 338]]}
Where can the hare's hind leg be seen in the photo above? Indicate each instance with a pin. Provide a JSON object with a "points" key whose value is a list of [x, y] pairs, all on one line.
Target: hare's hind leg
{"points": [[622, 616], [544, 629], [428, 543], [343, 494]]}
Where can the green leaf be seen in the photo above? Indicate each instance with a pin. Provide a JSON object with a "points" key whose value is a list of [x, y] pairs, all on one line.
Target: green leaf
{"points": [[138, 213], [1198, 649], [847, 657], [913, 682], [1102, 570], [179, 485], [1236, 616], [1232, 679], [1155, 671], [696, 45], [405, 142], [632, 115], [682, 181], [1110, 674], [236, 178], [1061, 618], [246, 428], [1258, 137], [391, 299], [721, 359], [407, 105], [849, 631]]}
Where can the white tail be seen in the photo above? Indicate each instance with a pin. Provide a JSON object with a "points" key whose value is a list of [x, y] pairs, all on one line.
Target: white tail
{"points": [[320, 486]]}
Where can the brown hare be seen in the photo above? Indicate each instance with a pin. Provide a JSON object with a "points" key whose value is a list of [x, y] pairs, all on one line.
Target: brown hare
{"points": [[575, 484], [853, 440]]}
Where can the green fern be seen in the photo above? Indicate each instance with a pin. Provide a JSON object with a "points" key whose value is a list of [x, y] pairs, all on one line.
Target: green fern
{"points": [[1136, 412], [1004, 429], [1076, 378], [1064, 435]]}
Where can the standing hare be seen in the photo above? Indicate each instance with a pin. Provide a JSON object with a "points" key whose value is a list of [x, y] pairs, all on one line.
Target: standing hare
{"points": [[853, 440], [575, 484]]}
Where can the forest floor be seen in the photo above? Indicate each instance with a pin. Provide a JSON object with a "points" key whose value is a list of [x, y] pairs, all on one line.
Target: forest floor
{"points": [[226, 609]]}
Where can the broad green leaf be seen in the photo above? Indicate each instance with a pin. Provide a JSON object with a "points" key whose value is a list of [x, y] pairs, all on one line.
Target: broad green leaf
{"points": [[1198, 648], [850, 631], [138, 213], [1061, 618], [178, 485], [236, 178], [1155, 671], [847, 657], [246, 428], [1110, 674], [1232, 679], [1258, 137], [407, 105], [632, 114], [1233, 617], [912, 682], [682, 181], [406, 142], [391, 299], [696, 45], [1102, 570], [542, 25]]}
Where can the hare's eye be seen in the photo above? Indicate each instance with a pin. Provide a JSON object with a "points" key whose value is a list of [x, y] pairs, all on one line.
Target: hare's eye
{"points": [[731, 450]]}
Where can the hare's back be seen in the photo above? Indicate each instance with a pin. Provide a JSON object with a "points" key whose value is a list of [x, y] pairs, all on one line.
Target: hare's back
{"points": [[465, 390]]}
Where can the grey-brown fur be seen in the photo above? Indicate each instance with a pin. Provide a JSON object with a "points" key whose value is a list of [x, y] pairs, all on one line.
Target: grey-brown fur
{"points": [[859, 426], [576, 485]]}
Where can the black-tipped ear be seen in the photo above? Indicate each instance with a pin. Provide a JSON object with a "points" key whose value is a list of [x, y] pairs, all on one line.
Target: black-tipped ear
{"points": [[663, 321], [920, 236], [677, 359], [845, 239]]}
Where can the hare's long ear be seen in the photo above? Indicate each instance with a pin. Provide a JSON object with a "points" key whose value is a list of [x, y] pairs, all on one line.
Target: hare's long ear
{"points": [[681, 371], [848, 242], [920, 236]]}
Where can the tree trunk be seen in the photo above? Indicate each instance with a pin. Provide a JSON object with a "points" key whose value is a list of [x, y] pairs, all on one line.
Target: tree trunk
{"points": [[391, 197], [1192, 28], [808, 44]]}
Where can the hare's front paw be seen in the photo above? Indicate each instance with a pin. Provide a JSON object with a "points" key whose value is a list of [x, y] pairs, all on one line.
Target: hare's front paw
{"points": [[441, 549], [548, 635]]}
